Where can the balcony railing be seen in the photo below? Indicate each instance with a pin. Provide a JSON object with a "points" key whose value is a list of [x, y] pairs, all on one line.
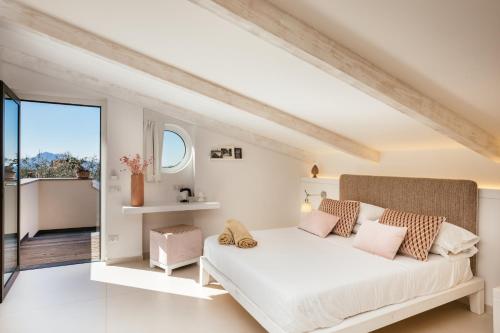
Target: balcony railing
{"points": [[58, 203]]}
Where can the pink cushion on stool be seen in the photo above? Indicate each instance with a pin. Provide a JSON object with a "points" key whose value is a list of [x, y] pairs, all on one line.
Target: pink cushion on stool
{"points": [[175, 244]]}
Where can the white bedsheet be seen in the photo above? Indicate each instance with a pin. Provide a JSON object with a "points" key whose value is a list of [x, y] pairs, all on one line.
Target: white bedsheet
{"points": [[303, 282]]}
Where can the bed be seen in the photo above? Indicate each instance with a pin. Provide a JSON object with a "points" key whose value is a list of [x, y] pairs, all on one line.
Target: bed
{"points": [[296, 282]]}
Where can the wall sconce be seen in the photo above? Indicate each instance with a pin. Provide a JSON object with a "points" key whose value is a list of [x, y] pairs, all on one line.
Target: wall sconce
{"points": [[306, 206]]}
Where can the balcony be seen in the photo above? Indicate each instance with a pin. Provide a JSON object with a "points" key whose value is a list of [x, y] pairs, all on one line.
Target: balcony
{"points": [[59, 221]]}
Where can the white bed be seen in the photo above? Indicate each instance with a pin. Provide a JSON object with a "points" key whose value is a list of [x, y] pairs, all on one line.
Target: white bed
{"points": [[296, 282], [302, 282]]}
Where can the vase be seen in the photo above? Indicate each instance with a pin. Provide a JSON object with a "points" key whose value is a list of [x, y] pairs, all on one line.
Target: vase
{"points": [[137, 190]]}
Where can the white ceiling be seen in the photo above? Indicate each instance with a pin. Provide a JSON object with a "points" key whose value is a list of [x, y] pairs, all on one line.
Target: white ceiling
{"points": [[447, 49], [184, 35], [69, 58], [26, 81]]}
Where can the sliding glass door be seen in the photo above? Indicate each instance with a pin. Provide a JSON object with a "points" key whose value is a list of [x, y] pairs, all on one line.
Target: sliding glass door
{"points": [[9, 194]]}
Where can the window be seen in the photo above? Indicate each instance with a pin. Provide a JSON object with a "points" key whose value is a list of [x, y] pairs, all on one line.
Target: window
{"points": [[177, 149]]}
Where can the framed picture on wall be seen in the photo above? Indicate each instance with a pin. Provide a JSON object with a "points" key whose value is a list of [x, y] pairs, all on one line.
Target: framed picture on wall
{"points": [[226, 153], [215, 154], [238, 153]]}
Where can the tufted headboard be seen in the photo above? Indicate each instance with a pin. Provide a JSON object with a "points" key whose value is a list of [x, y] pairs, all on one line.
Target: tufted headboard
{"points": [[455, 199]]}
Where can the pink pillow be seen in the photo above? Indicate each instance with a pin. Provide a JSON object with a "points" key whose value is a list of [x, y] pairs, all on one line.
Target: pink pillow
{"points": [[319, 223], [380, 239]]}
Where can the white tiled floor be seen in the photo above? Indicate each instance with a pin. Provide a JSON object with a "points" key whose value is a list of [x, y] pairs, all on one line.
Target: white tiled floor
{"points": [[122, 299], [132, 298]]}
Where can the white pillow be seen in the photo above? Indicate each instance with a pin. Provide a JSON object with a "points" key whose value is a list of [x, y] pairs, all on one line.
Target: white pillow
{"points": [[467, 253], [358, 225], [452, 239], [369, 212]]}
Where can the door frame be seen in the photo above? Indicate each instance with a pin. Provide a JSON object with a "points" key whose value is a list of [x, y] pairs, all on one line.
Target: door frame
{"points": [[6, 287], [102, 103]]}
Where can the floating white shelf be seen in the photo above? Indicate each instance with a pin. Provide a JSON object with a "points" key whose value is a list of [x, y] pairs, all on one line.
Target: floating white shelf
{"points": [[320, 180], [170, 207]]}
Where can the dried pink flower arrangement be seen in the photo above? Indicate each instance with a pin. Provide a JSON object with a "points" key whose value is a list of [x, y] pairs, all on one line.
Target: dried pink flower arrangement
{"points": [[135, 165]]}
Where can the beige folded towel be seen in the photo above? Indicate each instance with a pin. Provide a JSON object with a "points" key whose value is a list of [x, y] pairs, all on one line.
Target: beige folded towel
{"points": [[242, 238], [226, 237]]}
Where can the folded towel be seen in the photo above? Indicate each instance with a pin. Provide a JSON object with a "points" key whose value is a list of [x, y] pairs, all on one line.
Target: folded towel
{"points": [[242, 237], [226, 237]]}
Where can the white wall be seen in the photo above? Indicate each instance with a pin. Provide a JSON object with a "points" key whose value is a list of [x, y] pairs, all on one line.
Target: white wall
{"points": [[246, 189], [66, 203], [488, 227], [57, 204], [256, 190], [124, 132], [29, 209], [439, 163], [489, 246]]}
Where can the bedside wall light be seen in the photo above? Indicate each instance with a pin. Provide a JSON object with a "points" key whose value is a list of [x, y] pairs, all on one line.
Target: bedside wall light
{"points": [[306, 206]]}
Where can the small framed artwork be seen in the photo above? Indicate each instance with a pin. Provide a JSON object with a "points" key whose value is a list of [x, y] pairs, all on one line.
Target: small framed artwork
{"points": [[238, 153], [226, 153], [215, 154]]}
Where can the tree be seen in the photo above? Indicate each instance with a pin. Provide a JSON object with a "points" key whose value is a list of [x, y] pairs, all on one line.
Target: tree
{"points": [[64, 166]]}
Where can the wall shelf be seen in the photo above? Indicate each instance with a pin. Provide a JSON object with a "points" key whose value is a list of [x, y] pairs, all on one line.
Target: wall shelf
{"points": [[320, 180], [170, 207]]}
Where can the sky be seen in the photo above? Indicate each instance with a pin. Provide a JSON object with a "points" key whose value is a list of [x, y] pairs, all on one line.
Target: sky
{"points": [[174, 149], [59, 128], [10, 129]]}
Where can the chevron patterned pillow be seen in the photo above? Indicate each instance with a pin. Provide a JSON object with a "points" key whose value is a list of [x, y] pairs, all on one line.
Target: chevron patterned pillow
{"points": [[346, 210], [422, 230]]}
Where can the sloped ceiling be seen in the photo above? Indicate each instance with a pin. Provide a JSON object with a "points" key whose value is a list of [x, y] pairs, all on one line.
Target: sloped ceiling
{"points": [[447, 49], [184, 35]]}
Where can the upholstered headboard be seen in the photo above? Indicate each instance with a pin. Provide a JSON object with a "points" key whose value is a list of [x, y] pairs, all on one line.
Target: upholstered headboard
{"points": [[455, 199]]}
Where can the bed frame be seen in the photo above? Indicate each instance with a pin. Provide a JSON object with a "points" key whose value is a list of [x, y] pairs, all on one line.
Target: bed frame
{"points": [[455, 199]]}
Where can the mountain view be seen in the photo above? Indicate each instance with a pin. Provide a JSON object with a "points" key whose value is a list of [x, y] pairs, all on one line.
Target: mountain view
{"points": [[48, 156]]}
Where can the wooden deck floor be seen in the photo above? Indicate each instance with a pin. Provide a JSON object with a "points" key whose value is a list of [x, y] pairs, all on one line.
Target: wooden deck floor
{"points": [[59, 248]]}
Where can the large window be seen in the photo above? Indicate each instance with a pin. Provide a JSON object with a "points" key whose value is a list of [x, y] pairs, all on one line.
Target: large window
{"points": [[177, 149]]}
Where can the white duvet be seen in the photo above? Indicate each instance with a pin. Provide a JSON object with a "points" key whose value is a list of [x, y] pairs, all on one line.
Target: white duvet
{"points": [[303, 282]]}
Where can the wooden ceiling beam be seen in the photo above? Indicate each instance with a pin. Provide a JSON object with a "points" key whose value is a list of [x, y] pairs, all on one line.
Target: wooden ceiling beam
{"points": [[272, 24], [47, 68], [67, 33]]}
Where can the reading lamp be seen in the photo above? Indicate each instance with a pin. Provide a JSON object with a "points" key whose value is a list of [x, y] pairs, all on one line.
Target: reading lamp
{"points": [[306, 206]]}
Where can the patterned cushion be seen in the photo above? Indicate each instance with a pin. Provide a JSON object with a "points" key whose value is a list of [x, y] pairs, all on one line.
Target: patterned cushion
{"points": [[422, 230], [346, 210]]}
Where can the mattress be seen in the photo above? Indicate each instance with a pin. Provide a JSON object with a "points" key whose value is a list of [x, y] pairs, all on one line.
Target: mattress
{"points": [[303, 282]]}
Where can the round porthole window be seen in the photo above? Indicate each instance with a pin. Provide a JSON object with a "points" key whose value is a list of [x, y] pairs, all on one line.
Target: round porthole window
{"points": [[177, 149]]}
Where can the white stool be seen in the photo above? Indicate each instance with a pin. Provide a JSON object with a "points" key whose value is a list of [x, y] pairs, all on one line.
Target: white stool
{"points": [[174, 247]]}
